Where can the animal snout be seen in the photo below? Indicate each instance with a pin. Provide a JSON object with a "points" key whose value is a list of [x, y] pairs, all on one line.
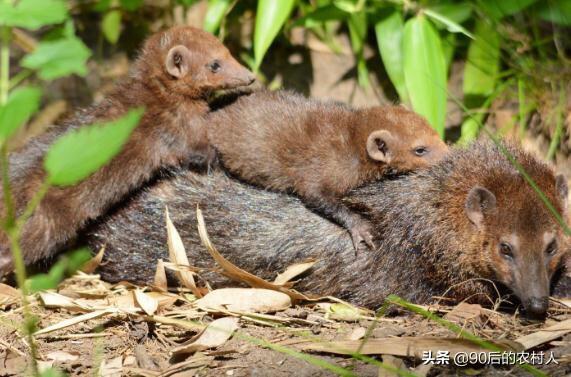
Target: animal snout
{"points": [[536, 307], [250, 78]]}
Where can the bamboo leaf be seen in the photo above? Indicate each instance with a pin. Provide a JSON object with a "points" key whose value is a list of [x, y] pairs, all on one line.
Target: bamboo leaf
{"points": [[455, 11], [425, 71], [389, 30], [216, 11], [556, 11], [357, 24], [270, 17], [349, 6], [482, 65], [79, 153], [450, 25], [320, 15], [499, 9]]}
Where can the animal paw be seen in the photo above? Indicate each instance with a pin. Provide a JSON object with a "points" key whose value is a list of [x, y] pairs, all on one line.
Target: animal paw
{"points": [[361, 235]]}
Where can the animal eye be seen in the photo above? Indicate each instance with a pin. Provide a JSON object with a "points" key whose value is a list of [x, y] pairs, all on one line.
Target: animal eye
{"points": [[551, 248], [215, 66], [506, 250], [420, 151]]}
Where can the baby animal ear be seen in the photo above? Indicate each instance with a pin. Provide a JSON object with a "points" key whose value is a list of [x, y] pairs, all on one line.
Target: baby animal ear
{"points": [[379, 145], [562, 189], [177, 62], [480, 202]]}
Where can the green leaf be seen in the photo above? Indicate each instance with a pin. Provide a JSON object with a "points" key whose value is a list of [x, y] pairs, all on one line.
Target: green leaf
{"points": [[131, 5], [41, 282], [67, 265], [22, 103], [102, 6], [33, 14], [52, 372], [58, 58], [349, 6], [499, 9], [450, 25], [270, 17], [357, 24], [482, 64], [81, 152], [469, 131], [389, 30], [186, 3], [556, 11], [111, 26], [455, 11], [216, 11], [320, 15], [425, 71], [448, 47]]}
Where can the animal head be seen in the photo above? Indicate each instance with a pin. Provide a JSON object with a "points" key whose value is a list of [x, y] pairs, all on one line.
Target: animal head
{"points": [[400, 138], [191, 62], [522, 245]]}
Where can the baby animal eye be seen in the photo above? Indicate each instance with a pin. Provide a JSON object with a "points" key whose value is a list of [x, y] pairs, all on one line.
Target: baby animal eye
{"points": [[506, 250], [215, 66], [420, 151]]}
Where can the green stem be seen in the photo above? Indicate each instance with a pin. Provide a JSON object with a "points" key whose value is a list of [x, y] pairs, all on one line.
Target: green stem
{"points": [[19, 77], [459, 331], [33, 204], [4, 64], [558, 126], [8, 203], [522, 107], [10, 226]]}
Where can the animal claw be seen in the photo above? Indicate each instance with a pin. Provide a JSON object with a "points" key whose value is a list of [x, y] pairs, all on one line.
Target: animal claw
{"points": [[362, 234]]}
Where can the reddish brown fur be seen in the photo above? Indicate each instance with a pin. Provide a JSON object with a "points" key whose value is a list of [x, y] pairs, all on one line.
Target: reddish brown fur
{"points": [[285, 142], [167, 135]]}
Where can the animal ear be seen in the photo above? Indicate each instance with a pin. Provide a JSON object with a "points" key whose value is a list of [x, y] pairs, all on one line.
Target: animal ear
{"points": [[178, 61], [479, 203], [378, 145]]}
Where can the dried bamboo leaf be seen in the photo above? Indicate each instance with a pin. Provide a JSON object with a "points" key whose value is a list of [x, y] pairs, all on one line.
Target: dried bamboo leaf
{"points": [[545, 335], [160, 280], [254, 300], [75, 320], [403, 346], [293, 271], [177, 255], [239, 274], [216, 333], [94, 262], [146, 302], [8, 295]]}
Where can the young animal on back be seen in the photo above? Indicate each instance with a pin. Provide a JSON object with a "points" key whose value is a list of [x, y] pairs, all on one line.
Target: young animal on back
{"points": [[175, 74], [320, 150]]}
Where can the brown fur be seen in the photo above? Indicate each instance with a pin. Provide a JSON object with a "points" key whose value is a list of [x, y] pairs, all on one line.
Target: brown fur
{"points": [[427, 242], [172, 78], [319, 150]]}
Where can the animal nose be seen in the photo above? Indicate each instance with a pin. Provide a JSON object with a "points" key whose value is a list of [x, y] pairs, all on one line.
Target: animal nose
{"points": [[251, 78], [536, 307]]}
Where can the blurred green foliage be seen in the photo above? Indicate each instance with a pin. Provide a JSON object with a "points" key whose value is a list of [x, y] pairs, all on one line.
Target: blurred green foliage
{"points": [[74, 156]]}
